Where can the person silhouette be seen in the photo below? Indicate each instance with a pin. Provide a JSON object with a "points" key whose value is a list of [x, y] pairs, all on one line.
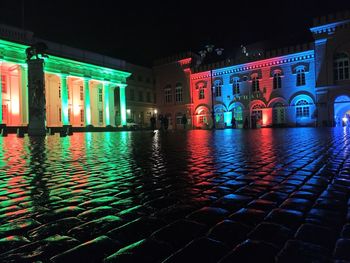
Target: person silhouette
{"points": [[233, 122], [184, 121], [153, 123], [246, 124]]}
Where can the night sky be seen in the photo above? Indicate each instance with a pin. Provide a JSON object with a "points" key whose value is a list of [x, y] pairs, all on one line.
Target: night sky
{"points": [[142, 31]]}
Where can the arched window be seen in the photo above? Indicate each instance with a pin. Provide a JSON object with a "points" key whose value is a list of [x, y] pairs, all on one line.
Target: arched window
{"points": [[300, 76], [218, 90], [341, 66], [302, 109], [257, 111], [277, 81], [235, 86], [238, 113], [178, 93], [255, 82]]}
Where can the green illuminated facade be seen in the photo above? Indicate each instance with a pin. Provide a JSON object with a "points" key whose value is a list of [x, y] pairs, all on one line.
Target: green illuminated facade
{"points": [[77, 93]]}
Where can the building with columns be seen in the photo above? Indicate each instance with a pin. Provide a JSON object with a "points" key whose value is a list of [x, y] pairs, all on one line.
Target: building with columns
{"points": [[77, 93], [302, 85]]}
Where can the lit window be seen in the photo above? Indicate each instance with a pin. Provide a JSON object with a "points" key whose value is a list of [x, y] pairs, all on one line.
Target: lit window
{"points": [[201, 94], [300, 77], [202, 119], [302, 109], [235, 86], [4, 84], [238, 113], [341, 67]]}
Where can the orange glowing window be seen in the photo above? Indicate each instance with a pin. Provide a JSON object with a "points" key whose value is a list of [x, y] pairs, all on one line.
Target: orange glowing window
{"points": [[3, 84]]}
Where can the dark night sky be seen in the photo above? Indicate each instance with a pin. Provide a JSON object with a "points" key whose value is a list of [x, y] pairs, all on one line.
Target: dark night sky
{"points": [[141, 31]]}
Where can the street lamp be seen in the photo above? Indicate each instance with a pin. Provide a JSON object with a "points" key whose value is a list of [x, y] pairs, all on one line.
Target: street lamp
{"points": [[203, 53]]}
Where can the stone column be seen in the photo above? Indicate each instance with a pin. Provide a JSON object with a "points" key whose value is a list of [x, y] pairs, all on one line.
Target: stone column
{"points": [[106, 103], [36, 98], [111, 105], [24, 93], [64, 98], [87, 102], [122, 103]]}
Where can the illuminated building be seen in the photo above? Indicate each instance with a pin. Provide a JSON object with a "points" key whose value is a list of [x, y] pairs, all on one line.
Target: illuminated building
{"points": [[82, 88], [303, 85]]}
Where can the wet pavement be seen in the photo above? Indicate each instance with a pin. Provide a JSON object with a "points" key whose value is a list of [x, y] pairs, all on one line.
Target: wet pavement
{"points": [[267, 195]]}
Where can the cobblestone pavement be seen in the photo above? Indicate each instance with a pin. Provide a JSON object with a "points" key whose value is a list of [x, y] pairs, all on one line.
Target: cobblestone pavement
{"points": [[266, 195]]}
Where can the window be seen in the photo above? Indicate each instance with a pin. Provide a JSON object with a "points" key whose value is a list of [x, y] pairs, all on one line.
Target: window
{"points": [[238, 113], [168, 95], [132, 94], [59, 91], [202, 119], [235, 86], [341, 67], [257, 111], [255, 83], [218, 91], [140, 96], [148, 80], [3, 84], [59, 114], [302, 109], [178, 93], [201, 94], [300, 77], [140, 78], [100, 116], [154, 98], [81, 93], [69, 111], [82, 115], [148, 97], [277, 83], [68, 91], [100, 95]]}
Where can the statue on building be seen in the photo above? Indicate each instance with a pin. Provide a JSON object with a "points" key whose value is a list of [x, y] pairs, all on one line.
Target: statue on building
{"points": [[37, 49]]}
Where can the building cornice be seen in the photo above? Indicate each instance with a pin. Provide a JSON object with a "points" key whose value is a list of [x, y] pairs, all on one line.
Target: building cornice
{"points": [[328, 28], [292, 58]]}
